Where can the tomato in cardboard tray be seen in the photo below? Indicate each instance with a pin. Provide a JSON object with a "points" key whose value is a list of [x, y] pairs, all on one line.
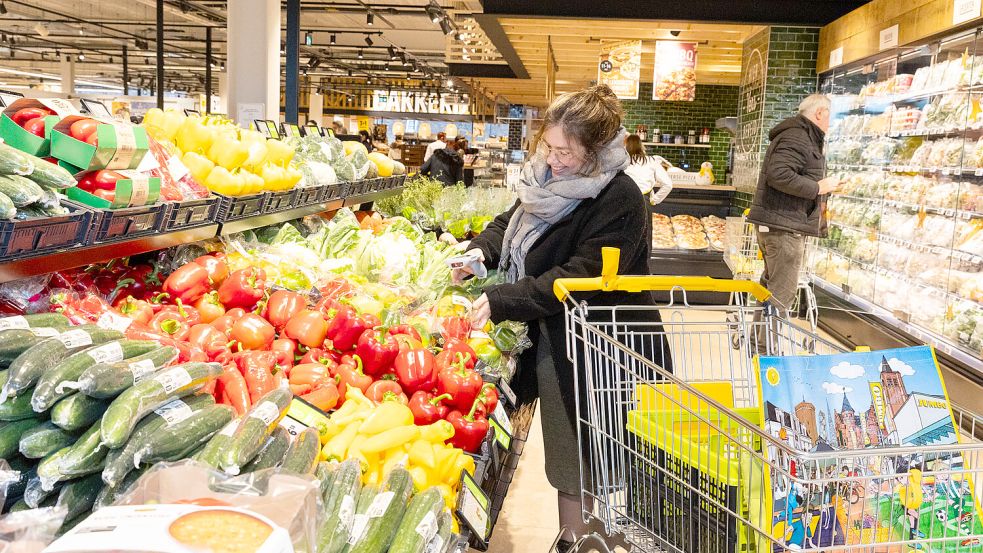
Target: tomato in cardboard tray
{"points": [[35, 126], [83, 128], [22, 116]]}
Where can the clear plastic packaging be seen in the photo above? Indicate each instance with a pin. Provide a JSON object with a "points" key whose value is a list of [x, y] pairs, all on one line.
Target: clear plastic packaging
{"points": [[30, 531]]}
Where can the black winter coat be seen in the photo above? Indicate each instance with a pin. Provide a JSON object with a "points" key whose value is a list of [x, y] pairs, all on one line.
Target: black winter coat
{"points": [[787, 197], [618, 217], [444, 165]]}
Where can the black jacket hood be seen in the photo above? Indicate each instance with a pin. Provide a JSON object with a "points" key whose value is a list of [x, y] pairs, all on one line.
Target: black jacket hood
{"points": [[449, 157]]}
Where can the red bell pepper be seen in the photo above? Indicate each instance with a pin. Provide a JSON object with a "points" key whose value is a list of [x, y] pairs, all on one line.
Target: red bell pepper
{"points": [[345, 327], [304, 377], [188, 283], [282, 305], [427, 408], [215, 265], [462, 383], [170, 324], [378, 350], [244, 288], [209, 307], [469, 430], [236, 313], [350, 373], [334, 290], [307, 327], [488, 397], [138, 310], [253, 332], [416, 370], [231, 389], [452, 347], [455, 327], [285, 350], [257, 368], [224, 324], [324, 395], [386, 390], [139, 281], [405, 330], [320, 355], [209, 340], [187, 314]]}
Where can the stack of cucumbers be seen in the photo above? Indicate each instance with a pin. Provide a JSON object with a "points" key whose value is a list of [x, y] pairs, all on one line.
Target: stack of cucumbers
{"points": [[29, 185]]}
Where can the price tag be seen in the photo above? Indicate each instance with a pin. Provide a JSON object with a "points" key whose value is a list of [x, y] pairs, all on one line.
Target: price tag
{"points": [[267, 412], [15, 322], [174, 412], [359, 524], [230, 428], [142, 369], [107, 353], [502, 437], [45, 332], [293, 426], [379, 504], [957, 171], [945, 171], [114, 321], [427, 528], [506, 391], [503, 418], [308, 415], [472, 506], [173, 379], [75, 338], [346, 513]]}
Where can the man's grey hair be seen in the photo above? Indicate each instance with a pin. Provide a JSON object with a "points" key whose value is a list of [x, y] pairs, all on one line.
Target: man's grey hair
{"points": [[813, 103]]}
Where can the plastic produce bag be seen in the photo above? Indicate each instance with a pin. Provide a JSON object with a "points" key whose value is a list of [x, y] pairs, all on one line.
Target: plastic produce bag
{"points": [[30, 531]]}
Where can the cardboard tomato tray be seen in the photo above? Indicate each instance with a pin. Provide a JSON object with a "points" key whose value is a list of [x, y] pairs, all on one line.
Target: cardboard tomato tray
{"points": [[134, 190], [118, 145], [16, 136]]}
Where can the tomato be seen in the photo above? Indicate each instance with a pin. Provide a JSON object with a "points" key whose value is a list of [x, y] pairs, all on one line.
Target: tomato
{"points": [[253, 332], [24, 115], [108, 195], [93, 139], [81, 129], [307, 327], [35, 126]]}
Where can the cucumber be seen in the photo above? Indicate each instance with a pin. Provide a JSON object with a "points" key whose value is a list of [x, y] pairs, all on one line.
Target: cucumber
{"points": [[325, 477], [384, 514], [50, 200], [30, 365], [339, 505], [302, 456], [53, 210], [256, 425], [22, 191], [419, 524], [119, 462], [175, 441], [359, 520], [78, 496], [86, 456], [50, 175], [108, 380], [15, 489], [274, 449], [35, 320], [109, 494], [211, 454], [445, 526], [71, 523], [35, 494], [49, 388], [16, 162], [16, 408], [7, 208], [11, 434], [18, 334], [76, 412], [127, 409], [43, 440]]}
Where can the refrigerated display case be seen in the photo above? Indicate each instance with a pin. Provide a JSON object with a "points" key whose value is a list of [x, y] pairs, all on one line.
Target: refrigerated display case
{"points": [[904, 242]]}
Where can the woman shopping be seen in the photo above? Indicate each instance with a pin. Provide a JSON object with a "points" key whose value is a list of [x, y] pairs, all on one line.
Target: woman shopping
{"points": [[574, 199], [648, 172]]}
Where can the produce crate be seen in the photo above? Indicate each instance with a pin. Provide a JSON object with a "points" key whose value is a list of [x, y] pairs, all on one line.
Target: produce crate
{"points": [[308, 195], [117, 225], [359, 187], [190, 214], [280, 201], [42, 235], [336, 191], [233, 208]]}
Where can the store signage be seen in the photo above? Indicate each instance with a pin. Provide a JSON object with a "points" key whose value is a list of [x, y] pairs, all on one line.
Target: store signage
{"points": [[750, 119], [836, 57], [889, 37], [620, 66], [675, 71], [411, 102], [965, 10]]}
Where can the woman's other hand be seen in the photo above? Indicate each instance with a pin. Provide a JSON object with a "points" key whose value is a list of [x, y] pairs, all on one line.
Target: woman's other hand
{"points": [[458, 275], [480, 312]]}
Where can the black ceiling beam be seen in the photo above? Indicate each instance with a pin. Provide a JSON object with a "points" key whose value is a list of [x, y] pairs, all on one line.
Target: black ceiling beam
{"points": [[480, 70], [500, 40], [758, 12]]}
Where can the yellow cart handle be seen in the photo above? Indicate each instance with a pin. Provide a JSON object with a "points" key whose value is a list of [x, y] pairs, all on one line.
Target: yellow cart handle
{"points": [[611, 281]]}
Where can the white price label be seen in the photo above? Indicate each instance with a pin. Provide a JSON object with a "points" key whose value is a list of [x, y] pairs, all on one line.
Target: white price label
{"points": [[293, 426], [126, 147], [267, 412], [142, 369], [174, 412], [965, 10], [107, 353], [45, 332], [427, 528], [945, 171], [346, 512], [507, 391], [173, 379], [114, 321], [75, 338], [502, 418], [836, 57], [380, 504], [230, 428], [15, 322], [888, 37], [359, 524]]}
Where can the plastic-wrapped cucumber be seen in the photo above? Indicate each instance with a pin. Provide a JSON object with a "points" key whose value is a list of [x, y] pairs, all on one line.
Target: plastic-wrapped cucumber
{"points": [[20, 333], [213, 451], [445, 527], [302, 456], [325, 476], [384, 514], [253, 428], [15, 490], [16, 162], [7, 208], [86, 456], [127, 409], [35, 494], [274, 449], [107, 380], [339, 507], [21, 190], [176, 440], [16, 408], [49, 199], [11, 434], [76, 412], [43, 440], [50, 175], [419, 524], [108, 495], [79, 495]]}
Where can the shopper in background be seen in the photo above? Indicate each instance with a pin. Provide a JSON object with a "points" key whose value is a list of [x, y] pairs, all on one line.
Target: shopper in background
{"points": [[366, 140], [574, 199], [790, 201], [338, 128], [445, 165], [434, 146], [648, 172]]}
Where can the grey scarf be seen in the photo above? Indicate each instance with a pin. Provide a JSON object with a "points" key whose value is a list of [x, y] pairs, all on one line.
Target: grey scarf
{"points": [[544, 201]]}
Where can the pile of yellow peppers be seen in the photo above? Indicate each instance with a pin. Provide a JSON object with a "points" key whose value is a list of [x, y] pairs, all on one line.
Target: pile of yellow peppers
{"points": [[226, 159], [382, 436]]}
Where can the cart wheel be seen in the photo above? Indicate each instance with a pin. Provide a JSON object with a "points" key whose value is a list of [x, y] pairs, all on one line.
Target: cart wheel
{"points": [[591, 543]]}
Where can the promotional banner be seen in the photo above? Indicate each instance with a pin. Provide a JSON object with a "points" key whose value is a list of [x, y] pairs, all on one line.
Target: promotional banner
{"points": [[675, 71], [619, 67]]}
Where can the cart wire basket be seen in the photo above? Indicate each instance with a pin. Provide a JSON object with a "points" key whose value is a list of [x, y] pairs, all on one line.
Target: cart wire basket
{"points": [[675, 458]]}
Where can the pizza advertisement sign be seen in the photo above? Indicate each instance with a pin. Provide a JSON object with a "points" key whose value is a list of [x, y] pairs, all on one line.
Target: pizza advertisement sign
{"points": [[619, 67], [675, 71]]}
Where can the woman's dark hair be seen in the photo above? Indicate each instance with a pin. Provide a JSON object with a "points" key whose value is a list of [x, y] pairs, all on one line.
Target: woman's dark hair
{"points": [[363, 134], [636, 150], [591, 116]]}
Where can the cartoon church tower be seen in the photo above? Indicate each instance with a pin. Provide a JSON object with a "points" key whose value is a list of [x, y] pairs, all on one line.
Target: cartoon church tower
{"points": [[848, 429], [893, 384]]}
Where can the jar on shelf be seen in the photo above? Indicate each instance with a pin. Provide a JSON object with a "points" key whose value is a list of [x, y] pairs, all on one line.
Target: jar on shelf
{"points": [[656, 136], [691, 137]]}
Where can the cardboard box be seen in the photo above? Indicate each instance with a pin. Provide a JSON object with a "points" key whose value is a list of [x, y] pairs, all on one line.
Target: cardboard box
{"points": [[120, 145], [15, 135], [135, 190]]}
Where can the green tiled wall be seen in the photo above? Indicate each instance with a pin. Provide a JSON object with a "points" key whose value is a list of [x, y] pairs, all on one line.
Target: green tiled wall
{"points": [[712, 102]]}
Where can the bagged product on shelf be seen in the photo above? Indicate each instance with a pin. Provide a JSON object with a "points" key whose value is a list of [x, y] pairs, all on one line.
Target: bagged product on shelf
{"points": [[177, 182]]}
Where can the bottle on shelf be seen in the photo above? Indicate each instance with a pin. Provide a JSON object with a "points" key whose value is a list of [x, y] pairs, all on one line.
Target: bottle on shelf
{"points": [[705, 136], [691, 137], [656, 136]]}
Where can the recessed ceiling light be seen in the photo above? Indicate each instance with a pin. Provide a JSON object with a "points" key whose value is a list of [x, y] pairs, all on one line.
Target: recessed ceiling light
{"points": [[360, 56], [334, 38], [370, 19]]}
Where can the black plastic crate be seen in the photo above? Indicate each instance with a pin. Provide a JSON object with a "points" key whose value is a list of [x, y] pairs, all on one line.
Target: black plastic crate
{"points": [[233, 208], [359, 187], [117, 225], [308, 195], [41, 235], [281, 201], [336, 191], [190, 214]]}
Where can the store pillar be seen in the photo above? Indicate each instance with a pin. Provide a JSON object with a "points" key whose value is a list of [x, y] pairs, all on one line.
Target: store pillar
{"points": [[254, 60], [315, 110], [67, 66]]}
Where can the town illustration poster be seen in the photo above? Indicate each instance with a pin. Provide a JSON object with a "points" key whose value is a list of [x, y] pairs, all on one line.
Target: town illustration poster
{"points": [[866, 401]]}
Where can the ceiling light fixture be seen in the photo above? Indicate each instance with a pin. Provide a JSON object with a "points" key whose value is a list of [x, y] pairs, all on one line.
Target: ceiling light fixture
{"points": [[458, 36], [368, 40], [392, 53], [334, 38], [3, 8], [81, 57], [434, 13], [675, 33], [445, 26], [314, 62], [370, 19], [360, 56]]}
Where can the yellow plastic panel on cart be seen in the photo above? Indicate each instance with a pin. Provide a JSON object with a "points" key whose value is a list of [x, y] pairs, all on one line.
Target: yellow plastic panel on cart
{"points": [[669, 397]]}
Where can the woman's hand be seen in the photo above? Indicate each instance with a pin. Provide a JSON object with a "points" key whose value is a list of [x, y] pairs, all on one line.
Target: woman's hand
{"points": [[458, 275], [480, 312]]}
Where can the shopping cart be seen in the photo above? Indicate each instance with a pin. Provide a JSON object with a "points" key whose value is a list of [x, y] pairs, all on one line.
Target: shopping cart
{"points": [[677, 461]]}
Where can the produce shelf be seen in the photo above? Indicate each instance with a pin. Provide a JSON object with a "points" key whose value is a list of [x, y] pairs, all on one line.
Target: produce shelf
{"points": [[266, 219], [360, 199]]}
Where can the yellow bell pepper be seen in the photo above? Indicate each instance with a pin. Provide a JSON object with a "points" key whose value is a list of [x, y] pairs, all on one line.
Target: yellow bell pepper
{"points": [[257, 152], [421, 453], [463, 462], [228, 152], [273, 176], [386, 415], [293, 176], [173, 120], [278, 152], [153, 121], [445, 458], [254, 182], [446, 492], [337, 446], [224, 182], [193, 136], [199, 165], [438, 432], [421, 479], [394, 437]]}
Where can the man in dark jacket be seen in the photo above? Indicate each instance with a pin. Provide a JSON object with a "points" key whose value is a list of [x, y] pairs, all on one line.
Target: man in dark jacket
{"points": [[445, 165], [791, 196]]}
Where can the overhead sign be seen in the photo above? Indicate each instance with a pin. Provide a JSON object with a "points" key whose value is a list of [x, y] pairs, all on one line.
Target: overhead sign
{"points": [[675, 71], [836, 57], [620, 66], [888, 37], [413, 102], [964, 10]]}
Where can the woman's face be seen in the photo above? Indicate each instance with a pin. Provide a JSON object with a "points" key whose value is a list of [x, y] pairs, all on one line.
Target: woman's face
{"points": [[564, 154]]}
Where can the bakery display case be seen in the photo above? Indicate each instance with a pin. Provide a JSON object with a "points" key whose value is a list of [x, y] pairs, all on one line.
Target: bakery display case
{"points": [[905, 242]]}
